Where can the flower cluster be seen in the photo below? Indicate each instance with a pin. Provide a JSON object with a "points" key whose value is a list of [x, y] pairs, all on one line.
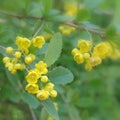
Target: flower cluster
{"points": [[17, 59], [66, 30], [21, 58], [38, 82], [89, 54]]}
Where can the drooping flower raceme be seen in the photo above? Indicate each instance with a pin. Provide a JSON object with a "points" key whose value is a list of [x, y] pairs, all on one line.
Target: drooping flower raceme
{"points": [[89, 54], [21, 59]]}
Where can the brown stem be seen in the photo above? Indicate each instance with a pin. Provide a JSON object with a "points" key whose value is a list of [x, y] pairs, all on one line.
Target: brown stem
{"points": [[2, 47], [80, 27], [18, 16]]}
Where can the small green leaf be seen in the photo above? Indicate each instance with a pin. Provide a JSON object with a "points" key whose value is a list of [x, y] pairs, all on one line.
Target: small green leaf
{"points": [[60, 75], [47, 6], [30, 100], [13, 79], [111, 32], [61, 18], [92, 5], [36, 9], [83, 15], [54, 49], [50, 109]]}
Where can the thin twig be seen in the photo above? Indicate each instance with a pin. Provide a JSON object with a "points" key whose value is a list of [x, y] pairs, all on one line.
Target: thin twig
{"points": [[32, 113], [80, 27], [38, 30], [18, 16], [2, 47]]}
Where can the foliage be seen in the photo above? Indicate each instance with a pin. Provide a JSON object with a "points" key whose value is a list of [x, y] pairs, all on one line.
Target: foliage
{"points": [[77, 26]]}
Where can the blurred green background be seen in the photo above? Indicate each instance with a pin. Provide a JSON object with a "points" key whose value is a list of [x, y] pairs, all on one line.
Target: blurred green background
{"points": [[93, 95]]}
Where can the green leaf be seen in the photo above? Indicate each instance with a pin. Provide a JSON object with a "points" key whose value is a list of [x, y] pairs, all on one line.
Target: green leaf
{"points": [[47, 6], [93, 5], [116, 18], [61, 18], [89, 25], [36, 9], [83, 14], [13, 79], [30, 100], [60, 75], [50, 109], [54, 49], [111, 32], [74, 113]]}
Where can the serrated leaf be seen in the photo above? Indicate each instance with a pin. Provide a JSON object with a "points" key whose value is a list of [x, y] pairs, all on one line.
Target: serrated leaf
{"points": [[30, 100], [48, 105], [54, 49], [60, 75]]}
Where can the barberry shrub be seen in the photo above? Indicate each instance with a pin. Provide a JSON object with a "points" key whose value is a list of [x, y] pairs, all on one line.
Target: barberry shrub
{"points": [[45, 45]]}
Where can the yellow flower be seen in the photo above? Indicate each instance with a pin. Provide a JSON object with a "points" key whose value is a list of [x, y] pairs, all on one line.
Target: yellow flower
{"points": [[6, 60], [79, 58], [14, 60], [44, 79], [50, 118], [9, 50], [66, 30], [49, 86], [19, 66], [38, 41], [53, 93], [29, 58], [71, 9], [42, 95], [25, 51], [32, 77], [22, 43], [101, 50], [95, 61], [115, 54], [13, 71], [41, 67], [84, 46], [10, 66], [17, 55], [88, 66], [75, 51], [86, 56], [47, 36], [32, 88]]}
